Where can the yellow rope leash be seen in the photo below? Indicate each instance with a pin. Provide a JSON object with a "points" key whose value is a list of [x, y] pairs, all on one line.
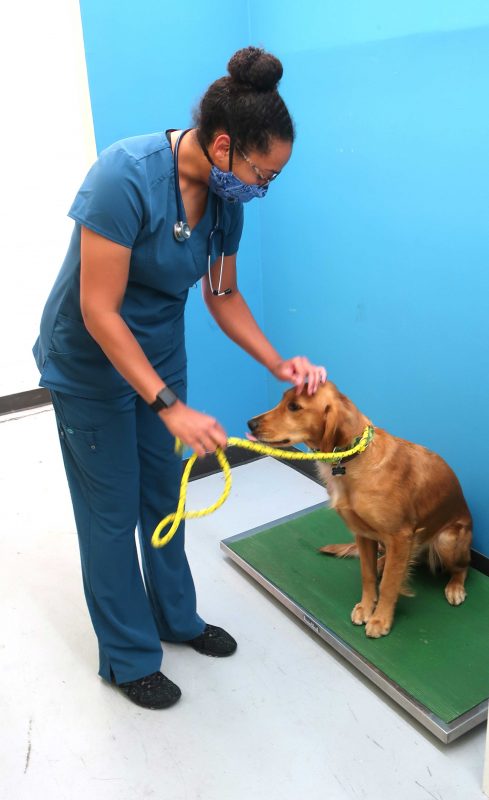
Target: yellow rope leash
{"points": [[157, 540]]}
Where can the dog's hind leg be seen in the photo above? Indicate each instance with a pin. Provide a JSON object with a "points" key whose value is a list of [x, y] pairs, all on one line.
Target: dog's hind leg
{"points": [[340, 550], [452, 548], [351, 551]]}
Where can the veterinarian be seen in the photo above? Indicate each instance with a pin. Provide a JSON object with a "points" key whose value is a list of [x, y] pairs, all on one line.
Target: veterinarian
{"points": [[154, 215]]}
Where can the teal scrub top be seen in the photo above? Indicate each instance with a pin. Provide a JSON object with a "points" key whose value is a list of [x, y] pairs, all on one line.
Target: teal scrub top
{"points": [[128, 197]]}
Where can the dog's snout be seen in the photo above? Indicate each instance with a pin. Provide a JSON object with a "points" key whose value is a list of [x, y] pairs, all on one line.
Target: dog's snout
{"points": [[253, 424]]}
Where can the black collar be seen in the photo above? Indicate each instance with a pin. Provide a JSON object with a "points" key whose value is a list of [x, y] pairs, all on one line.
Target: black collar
{"points": [[337, 467]]}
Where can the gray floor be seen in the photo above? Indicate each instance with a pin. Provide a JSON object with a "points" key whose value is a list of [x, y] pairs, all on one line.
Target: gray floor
{"points": [[283, 718]]}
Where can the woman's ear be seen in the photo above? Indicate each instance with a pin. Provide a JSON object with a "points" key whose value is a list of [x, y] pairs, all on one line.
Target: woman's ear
{"points": [[219, 150]]}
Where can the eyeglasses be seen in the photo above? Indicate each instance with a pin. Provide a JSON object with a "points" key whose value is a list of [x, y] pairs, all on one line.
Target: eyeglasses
{"points": [[255, 169]]}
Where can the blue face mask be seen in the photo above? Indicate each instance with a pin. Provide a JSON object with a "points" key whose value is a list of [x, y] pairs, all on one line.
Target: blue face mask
{"points": [[230, 188]]}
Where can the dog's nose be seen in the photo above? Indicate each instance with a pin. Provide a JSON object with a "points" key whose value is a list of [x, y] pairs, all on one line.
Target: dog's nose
{"points": [[253, 424]]}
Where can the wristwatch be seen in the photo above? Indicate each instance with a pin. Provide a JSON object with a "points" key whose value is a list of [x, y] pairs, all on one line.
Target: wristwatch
{"points": [[164, 399]]}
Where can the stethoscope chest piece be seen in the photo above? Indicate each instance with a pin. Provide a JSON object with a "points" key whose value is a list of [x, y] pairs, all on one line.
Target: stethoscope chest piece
{"points": [[181, 231]]}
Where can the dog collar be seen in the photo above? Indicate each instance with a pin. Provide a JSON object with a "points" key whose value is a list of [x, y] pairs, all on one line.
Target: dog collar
{"points": [[337, 467]]}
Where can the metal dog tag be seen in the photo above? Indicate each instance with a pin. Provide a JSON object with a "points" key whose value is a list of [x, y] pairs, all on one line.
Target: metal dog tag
{"points": [[338, 470]]}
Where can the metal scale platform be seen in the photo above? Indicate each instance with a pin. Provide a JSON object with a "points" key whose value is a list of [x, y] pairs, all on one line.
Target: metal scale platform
{"points": [[435, 661]]}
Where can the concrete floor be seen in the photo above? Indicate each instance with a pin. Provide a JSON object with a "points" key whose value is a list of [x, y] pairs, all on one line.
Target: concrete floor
{"points": [[282, 719]]}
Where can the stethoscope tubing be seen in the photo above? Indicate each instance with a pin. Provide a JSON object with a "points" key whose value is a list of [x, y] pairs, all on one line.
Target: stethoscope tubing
{"points": [[181, 229]]}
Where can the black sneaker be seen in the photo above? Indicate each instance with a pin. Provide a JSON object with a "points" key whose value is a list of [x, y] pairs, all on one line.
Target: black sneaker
{"points": [[214, 641], [153, 691]]}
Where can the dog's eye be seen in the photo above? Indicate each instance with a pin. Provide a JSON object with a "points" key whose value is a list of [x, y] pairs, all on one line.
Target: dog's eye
{"points": [[294, 406]]}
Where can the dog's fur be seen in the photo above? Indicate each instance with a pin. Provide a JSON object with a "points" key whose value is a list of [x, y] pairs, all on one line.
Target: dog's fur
{"points": [[396, 497]]}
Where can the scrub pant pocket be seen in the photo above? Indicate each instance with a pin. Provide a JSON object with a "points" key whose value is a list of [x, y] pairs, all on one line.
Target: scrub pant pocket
{"points": [[123, 474]]}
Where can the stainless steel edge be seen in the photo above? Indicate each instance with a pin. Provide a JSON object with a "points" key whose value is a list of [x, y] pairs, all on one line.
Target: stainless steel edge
{"points": [[279, 521], [445, 732]]}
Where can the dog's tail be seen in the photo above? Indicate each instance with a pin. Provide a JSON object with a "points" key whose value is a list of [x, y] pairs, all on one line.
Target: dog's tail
{"points": [[340, 550]]}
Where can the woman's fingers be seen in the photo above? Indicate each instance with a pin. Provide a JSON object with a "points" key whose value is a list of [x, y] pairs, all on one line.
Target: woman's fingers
{"points": [[316, 377], [219, 435], [305, 372], [312, 382], [209, 439], [198, 448], [196, 430], [302, 367]]}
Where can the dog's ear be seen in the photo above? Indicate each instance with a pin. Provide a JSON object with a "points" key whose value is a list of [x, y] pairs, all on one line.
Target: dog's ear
{"points": [[343, 421], [336, 424], [330, 424]]}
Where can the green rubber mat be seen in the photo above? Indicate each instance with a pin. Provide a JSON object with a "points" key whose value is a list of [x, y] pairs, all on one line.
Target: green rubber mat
{"points": [[437, 653]]}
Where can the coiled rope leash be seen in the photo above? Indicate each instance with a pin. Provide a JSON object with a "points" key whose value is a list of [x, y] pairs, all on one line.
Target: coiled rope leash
{"points": [[157, 540]]}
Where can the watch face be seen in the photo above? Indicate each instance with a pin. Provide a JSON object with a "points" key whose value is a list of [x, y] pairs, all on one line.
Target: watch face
{"points": [[165, 399]]}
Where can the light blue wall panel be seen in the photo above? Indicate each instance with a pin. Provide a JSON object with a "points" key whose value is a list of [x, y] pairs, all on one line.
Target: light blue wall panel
{"points": [[371, 249], [148, 65], [318, 24], [374, 245]]}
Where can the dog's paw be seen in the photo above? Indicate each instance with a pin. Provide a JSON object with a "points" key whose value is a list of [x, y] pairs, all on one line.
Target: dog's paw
{"points": [[361, 613], [455, 594], [377, 627]]}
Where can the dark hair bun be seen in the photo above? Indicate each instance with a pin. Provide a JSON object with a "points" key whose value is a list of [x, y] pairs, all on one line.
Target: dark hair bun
{"points": [[255, 69]]}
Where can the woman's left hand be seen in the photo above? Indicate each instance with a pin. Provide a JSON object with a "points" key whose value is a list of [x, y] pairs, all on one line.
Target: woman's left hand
{"points": [[299, 371]]}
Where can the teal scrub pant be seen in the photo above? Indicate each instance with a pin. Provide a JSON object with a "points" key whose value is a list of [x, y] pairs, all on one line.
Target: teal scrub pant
{"points": [[123, 474]]}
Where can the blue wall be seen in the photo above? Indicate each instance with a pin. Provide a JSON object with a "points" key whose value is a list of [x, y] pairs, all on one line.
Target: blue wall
{"points": [[383, 272], [148, 65], [370, 253], [319, 24]]}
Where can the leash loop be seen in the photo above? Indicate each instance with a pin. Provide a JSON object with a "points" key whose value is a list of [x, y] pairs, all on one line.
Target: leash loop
{"points": [[159, 540]]}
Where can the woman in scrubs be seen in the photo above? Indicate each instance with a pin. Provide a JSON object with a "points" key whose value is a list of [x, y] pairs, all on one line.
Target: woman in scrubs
{"points": [[111, 350]]}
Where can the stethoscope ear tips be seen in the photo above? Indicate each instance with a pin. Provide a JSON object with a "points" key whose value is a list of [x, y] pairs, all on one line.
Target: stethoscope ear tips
{"points": [[181, 231]]}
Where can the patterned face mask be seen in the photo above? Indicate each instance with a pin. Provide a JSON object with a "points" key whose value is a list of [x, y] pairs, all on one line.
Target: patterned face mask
{"points": [[231, 189], [227, 186]]}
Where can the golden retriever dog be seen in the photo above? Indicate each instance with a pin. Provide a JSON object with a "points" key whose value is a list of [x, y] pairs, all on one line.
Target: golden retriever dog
{"points": [[396, 497]]}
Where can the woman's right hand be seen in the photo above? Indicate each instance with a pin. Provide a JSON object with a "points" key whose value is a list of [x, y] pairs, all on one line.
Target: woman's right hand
{"points": [[196, 430]]}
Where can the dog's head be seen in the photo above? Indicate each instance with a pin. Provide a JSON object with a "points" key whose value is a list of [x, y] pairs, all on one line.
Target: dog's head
{"points": [[322, 421]]}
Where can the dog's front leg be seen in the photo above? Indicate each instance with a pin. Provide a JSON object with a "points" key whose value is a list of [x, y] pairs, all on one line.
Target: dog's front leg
{"points": [[367, 550], [397, 557]]}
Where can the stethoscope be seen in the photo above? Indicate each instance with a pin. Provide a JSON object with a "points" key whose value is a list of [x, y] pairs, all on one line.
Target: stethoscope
{"points": [[182, 232]]}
